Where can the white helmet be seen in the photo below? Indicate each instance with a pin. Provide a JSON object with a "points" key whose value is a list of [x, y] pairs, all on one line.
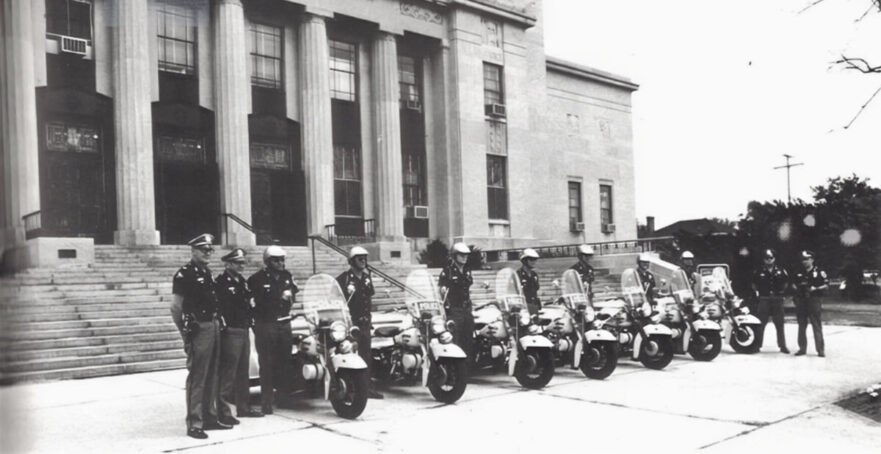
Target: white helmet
{"points": [[528, 253], [585, 249], [686, 255], [273, 251], [461, 248], [356, 251], [643, 257]]}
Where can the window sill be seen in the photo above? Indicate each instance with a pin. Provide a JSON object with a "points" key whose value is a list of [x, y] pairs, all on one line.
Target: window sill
{"points": [[499, 222]]}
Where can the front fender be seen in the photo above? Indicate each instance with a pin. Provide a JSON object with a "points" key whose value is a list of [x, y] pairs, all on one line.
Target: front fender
{"points": [[600, 335], [439, 350], [657, 329], [748, 319], [533, 341], [347, 361], [709, 325]]}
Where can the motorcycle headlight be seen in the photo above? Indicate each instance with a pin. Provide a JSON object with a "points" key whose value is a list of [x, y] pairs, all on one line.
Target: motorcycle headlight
{"points": [[338, 331], [437, 324], [589, 314], [445, 337], [524, 318], [534, 329], [346, 346], [704, 315], [656, 318], [744, 310]]}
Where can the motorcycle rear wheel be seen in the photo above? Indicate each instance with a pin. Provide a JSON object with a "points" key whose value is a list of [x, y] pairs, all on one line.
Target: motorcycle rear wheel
{"points": [[708, 349], [355, 382], [455, 379], [745, 340], [603, 366], [662, 357], [542, 374]]}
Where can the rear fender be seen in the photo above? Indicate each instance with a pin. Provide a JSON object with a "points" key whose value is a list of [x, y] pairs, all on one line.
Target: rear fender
{"points": [[600, 335], [706, 325], [439, 350], [748, 319], [347, 361], [535, 341]]}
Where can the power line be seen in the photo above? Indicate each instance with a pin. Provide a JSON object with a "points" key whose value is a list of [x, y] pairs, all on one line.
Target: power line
{"points": [[787, 167]]}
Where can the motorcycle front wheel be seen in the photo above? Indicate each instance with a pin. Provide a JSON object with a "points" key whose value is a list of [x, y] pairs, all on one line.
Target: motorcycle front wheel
{"points": [[350, 395], [599, 361], [744, 339], [705, 346], [448, 379], [656, 352], [535, 368]]}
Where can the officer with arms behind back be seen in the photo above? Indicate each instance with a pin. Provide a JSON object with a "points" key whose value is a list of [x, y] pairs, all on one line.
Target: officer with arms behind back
{"points": [[357, 285], [194, 310], [235, 345], [273, 289], [454, 284], [529, 280], [810, 284], [583, 267], [770, 283], [646, 278], [686, 261]]}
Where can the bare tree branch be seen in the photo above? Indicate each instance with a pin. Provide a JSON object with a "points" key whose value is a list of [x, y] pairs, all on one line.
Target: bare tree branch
{"points": [[859, 64], [866, 104], [815, 4]]}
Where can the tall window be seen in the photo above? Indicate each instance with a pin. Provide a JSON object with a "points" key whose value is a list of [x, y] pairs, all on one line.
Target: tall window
{"points": [[414, 185], [408, 80], [347, 180], [69, 18], [343, 70], [606, 204], [574, 204], [177, 39], [496, 186], [266, 56], [493, 89]]}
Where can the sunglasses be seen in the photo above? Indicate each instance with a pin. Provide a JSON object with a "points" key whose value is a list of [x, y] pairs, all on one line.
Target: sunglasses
{"points": [[206, 250]]}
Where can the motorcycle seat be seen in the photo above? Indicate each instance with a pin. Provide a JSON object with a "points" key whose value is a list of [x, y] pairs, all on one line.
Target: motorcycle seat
{"points": [[387, 331]]}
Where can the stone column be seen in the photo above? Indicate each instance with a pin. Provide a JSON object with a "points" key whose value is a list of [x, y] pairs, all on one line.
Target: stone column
{"points": [[133, 125], [21, 171], [387, 134], [231, 85], [316, 122]]}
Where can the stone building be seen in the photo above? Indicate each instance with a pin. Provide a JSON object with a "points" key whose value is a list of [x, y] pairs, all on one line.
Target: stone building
{"points": [[145, 122]]}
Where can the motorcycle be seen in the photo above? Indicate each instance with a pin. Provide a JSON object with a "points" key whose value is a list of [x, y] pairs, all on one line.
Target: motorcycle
{"points": [[569, 324], [693, 331], [504, 331], [637, 327], [419, 342], [739, 327]]}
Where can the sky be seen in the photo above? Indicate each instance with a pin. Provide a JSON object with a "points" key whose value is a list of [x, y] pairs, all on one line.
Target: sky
{"points": [[726, 88]]}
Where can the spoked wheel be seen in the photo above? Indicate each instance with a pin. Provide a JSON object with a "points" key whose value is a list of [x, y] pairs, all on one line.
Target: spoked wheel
{"points": [[447, 380], [744, 339], [535, 369], [705, 346], [599, 360], [656, 352], [349, 396]]}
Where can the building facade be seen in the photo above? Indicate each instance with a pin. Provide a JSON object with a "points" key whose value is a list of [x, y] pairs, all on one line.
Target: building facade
{"points": [[147, 122]]}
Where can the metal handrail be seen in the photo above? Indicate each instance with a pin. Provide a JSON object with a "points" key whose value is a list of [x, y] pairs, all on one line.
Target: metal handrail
{"points": [[241, 222], [372, 269], [33, 224], [571, 250], [369, 235]]}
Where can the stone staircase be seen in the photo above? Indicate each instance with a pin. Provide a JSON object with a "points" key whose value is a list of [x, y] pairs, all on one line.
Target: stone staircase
{"points": [[112, 317]]}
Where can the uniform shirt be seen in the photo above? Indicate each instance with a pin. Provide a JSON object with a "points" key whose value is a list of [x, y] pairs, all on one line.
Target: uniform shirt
{"points": [[647, 279], [234, 298], [771, 282], [804, 280], [458, 284], [585, 270], [691, 272], [529, 283], [196, 286], [267, 288], [359, 292]]}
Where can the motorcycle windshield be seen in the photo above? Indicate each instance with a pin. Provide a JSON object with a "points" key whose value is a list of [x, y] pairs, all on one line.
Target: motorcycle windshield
{"points": [[721, 276], [573, 291], [324, 302], [671, 279], [427, 299], [508, 291], [631, 288]]}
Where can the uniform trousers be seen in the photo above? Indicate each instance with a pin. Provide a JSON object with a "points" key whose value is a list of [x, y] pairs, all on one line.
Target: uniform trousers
{"points": [[235, 355], [274, 340], [203, 350], [809, 310], [771, 307], [463, 332]]}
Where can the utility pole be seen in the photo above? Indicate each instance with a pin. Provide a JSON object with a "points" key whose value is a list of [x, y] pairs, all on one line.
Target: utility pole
{"points": [[787, 167]]}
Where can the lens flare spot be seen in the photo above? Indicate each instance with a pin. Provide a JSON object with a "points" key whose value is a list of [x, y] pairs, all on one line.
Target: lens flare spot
{"points": [[784, 231], [851, 237], [744, 252], [810, 220]]}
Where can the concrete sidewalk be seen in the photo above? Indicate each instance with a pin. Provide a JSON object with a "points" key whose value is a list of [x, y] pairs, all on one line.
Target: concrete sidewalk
{"points": [[735, 403]]}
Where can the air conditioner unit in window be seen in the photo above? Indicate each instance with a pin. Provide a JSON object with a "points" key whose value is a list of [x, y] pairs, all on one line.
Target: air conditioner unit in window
{"points": [[578, 227], [413, 104], [494, 110], [417, 212], [70, 45], [608, 228]]}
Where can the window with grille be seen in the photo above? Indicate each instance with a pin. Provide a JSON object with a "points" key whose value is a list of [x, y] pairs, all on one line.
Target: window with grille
{"points": [[574, 204], [414, 180], [69, 18], [266, 56], [606, 204], [496, 186], [408, 80], [343, 70], [347, 180], [176, 31], [493, 89]]}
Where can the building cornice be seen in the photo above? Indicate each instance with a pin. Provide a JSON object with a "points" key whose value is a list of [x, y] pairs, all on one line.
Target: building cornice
{"points": [[504, 9], [588, 73]]}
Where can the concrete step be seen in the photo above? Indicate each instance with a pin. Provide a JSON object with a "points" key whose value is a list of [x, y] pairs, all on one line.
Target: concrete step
{"points": [[90, 332], [104, 322], [28, 355], [47, 364], [49, 344], [111, 311], [98, 371]]}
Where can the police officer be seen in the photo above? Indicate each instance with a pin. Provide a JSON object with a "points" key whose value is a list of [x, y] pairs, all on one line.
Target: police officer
{"points": [[529, 280], [454, 283], [686, 259], [646, 278], [583, 267], [273, 289], [235, 345], [770, 283], [810, 284], [357, 286], [194, 311]]}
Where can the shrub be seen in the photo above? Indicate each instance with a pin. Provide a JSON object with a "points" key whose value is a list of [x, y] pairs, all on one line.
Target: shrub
{"points": [[435, 255]]}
